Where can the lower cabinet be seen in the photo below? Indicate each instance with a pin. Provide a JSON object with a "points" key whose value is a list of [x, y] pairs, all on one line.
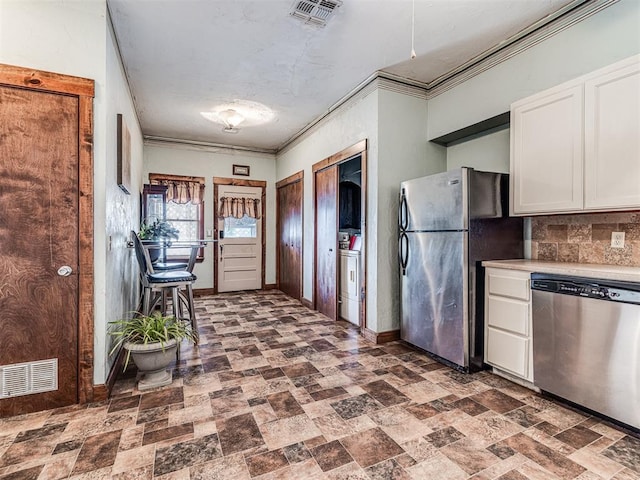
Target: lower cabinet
{"points": [[508, 344], [349, 302]]}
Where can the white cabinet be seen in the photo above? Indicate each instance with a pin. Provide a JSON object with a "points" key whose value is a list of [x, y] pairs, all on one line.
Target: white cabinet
{"points": [[349, 285], [612, 139], [576, 147], [508, 345]]}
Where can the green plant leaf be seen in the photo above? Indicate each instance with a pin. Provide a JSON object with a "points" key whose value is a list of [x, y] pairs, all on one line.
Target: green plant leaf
{"points": [[145, 329]]}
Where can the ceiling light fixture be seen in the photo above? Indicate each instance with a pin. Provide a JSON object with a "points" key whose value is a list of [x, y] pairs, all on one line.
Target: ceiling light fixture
{"points": [[244, 112], [231, 120]]}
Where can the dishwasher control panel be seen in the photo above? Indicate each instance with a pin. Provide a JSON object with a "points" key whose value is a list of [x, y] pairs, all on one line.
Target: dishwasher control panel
{"points": [[625, 292]]}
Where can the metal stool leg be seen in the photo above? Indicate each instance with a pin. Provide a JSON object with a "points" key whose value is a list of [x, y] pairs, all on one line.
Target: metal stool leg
{"points": [[146, 309], [192, 312]]}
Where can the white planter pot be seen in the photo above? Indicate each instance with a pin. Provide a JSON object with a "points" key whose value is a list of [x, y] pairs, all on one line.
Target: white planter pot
{"points": [[152, 361]]}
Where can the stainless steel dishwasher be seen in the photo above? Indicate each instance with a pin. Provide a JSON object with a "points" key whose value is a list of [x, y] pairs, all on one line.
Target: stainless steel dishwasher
{"points": [[586, 343]]}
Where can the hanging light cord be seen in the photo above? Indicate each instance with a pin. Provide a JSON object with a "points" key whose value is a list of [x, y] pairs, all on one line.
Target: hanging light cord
{"points": [[413, 29]]}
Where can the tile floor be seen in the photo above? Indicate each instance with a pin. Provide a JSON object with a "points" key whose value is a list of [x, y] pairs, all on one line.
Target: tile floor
{"points": [[277, 391]]}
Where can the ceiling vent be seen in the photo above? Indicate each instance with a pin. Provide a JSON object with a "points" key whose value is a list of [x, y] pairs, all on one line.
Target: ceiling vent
{"points": [[315, 12]]}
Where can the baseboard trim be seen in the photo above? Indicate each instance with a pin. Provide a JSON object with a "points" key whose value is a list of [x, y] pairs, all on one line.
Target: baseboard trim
{"points": [[102, 391], [306, 303], [382, 337], [200, 292], [270, 286]]}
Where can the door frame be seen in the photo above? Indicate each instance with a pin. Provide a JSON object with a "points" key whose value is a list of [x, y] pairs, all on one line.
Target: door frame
{"points": [[238, 183], [83, 89], [354, 150], [296, 177]]}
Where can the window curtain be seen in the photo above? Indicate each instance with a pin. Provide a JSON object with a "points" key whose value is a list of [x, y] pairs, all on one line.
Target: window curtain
{"points": [[238, 207], [182, 191]]}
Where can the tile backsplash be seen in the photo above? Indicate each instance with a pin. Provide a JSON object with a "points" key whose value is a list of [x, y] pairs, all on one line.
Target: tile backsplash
{"points": [[586, 238]]}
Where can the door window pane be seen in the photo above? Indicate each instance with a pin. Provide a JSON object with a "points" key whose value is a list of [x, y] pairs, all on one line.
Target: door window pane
{"points": [[244, 227]]}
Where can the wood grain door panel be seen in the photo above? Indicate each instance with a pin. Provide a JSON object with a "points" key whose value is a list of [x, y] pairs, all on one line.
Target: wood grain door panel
{"points": [[290, 239], [326, 233], [39, 234]]}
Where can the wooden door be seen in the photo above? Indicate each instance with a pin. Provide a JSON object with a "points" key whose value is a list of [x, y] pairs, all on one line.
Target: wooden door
{"points": [[326, 229], [39, 200], [290, 238], [239, 244]]}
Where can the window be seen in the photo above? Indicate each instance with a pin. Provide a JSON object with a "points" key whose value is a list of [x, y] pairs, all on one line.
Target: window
{"points": [[244, 227], [240, 215], [184, 210]]}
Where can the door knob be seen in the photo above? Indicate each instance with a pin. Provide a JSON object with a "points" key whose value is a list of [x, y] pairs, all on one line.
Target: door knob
{"points": [[65, 271]]}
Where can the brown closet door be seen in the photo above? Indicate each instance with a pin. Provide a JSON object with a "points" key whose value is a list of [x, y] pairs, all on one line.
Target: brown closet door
{"points": [[290, 237], [38, 235], [326, 232]]}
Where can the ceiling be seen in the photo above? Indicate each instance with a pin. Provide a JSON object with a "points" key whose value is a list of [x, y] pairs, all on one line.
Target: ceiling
{"points": [[183, 57]]}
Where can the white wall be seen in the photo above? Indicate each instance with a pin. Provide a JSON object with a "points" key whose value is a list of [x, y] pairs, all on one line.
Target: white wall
{"points": [[403, 154], [489, 152], [181, 159], [394, 124], [347, 126], [121, 212], [604, 38], [72, 38]]}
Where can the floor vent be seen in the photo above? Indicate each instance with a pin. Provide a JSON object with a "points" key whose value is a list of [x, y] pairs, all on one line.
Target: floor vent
{"points": [[28, 378], [316, 12]]}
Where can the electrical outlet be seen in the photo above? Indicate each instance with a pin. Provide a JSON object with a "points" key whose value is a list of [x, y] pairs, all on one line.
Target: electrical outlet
{"points": [[617, 239]]}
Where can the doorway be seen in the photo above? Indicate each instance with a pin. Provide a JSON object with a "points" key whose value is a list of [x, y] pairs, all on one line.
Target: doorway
{"points": [[335, 223], [46, 238], [289, 198], [239, 258]]}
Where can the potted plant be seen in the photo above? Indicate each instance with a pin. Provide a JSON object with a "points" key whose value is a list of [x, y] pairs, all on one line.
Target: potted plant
{"points": [[152, 341], [154, 233]]}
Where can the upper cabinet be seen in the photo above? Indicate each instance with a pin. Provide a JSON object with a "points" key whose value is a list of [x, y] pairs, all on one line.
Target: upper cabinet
{"points": [[576, 147], [612, 139]]}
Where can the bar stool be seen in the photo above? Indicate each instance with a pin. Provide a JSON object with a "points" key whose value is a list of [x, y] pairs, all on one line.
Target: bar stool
{"points": [[164, 283]]}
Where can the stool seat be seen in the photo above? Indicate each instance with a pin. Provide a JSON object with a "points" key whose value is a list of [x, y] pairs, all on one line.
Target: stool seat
{"points": [[162, 266], [171, 276]]}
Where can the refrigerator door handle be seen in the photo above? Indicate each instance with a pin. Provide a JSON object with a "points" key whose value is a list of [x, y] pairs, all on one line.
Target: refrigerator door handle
{"points": [[403, 220], [403, 252]]}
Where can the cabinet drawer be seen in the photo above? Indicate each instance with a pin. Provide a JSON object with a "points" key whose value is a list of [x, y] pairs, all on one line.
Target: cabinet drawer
{"points": [[508, 314], [508, 351], [508, 283]]}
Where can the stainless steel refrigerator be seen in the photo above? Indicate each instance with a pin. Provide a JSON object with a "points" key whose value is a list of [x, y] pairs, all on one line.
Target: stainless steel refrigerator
{"points": [[449, 223]]}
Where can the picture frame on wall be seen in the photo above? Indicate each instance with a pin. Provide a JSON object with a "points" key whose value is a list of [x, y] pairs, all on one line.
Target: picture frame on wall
{"points": [[241, 170], [123, 155]]}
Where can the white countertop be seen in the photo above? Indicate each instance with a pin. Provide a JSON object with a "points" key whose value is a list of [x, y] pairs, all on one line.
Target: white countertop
{"points": [[592, 270]]}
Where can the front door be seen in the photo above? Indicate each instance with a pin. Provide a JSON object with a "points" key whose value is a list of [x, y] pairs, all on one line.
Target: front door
{"points": [[290, 238], [239, 242], [39, 201]]}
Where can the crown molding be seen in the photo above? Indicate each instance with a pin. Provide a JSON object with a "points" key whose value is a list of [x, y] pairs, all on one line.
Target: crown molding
{"points": [[545, 28], [153, 140], [363, 90]]}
